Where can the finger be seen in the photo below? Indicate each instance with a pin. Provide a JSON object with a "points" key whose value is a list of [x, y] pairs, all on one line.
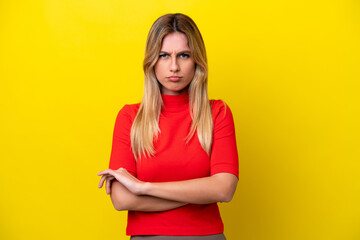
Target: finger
{"points": [[103, 172], [102, 180], [108, 184], [107, 171]]}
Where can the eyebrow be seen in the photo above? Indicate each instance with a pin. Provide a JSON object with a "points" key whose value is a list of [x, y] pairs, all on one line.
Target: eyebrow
{"points": [[179, 53]]}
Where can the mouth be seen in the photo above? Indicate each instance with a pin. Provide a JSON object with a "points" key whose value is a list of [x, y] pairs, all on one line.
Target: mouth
{"points": [[174, 78]]}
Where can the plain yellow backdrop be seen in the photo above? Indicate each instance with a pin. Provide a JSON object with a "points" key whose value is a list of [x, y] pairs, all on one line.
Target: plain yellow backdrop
{"points": [[289, 71]]}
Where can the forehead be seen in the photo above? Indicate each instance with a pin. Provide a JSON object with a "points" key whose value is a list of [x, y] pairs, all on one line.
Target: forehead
{"points": [[175, 42]]}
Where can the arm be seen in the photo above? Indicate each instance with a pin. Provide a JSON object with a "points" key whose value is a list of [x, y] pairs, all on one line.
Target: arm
{"points": [[123, 199], [217, 188]]}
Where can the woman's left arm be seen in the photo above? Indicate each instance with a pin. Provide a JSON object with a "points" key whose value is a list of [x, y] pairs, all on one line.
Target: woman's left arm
{"points": [[219, 187]]}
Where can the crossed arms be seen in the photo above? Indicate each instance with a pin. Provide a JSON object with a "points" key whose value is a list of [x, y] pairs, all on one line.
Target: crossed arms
{"points": [[129, 193]]}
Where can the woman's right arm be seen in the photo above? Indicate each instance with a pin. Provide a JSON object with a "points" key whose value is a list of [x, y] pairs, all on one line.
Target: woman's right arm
{"points": [[123, 199]]}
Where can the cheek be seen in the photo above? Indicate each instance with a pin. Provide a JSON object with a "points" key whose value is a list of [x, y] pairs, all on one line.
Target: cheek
{"points": [[160, 67], [190, 69]]}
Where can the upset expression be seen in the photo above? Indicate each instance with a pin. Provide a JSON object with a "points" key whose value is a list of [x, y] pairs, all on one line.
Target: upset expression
{"points": [[175, 67]]}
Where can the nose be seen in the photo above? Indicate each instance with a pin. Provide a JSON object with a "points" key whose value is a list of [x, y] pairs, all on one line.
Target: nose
{"points": [[174, 67]]}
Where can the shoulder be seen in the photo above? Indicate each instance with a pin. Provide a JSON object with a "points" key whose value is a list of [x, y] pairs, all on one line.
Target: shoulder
{"points": [[222, 119], [220, 109], [128, 112], [130, 108]]}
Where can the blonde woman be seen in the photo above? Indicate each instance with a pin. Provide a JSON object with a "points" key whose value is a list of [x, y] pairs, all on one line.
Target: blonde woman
{"points": [[174, 155]]}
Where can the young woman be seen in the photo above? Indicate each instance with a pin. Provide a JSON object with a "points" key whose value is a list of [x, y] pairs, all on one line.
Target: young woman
{"points": [[174, 155]]}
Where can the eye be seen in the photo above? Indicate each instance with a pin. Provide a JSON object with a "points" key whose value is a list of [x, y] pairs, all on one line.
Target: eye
{"points": [[163, 55], [184, 55]]}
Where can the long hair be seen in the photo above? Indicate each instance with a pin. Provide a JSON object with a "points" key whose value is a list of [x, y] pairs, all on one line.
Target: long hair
{"points": [[145, 128]]}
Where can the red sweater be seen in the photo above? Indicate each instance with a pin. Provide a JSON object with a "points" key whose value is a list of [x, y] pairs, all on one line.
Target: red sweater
{"points": [[175, 161]]}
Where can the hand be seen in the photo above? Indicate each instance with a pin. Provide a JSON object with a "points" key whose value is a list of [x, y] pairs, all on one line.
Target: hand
{"points": [[133, 184]]}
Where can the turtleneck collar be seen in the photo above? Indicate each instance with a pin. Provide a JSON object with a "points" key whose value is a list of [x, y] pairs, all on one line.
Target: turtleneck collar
{"points": [[175, 103]]}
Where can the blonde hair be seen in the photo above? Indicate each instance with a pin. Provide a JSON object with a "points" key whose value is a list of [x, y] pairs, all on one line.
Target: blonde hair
{"points": [[145, 128]]}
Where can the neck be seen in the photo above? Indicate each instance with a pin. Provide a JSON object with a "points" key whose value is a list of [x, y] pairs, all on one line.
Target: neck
{"points": [[168, 92], [175, 103]]}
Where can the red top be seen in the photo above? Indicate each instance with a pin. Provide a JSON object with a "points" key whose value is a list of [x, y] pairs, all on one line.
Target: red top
{"points": [[175, 161]]}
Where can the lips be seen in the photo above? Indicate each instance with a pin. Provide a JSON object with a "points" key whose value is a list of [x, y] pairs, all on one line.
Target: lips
{"points": [[174, 78]]}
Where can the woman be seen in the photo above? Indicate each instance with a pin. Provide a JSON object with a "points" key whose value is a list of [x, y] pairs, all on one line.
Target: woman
{"points": [[174, 155]]}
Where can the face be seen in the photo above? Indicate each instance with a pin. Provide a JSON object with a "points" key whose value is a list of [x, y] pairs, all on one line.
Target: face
{"points": [[175, 67]]}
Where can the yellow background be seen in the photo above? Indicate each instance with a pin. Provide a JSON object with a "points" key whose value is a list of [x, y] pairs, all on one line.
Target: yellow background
{"points": [[289, 70]]}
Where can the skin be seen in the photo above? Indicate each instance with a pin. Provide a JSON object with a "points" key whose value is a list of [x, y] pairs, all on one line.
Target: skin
{"points": [[123, 199], [175, 59], [216, 188], [130, 193]]}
